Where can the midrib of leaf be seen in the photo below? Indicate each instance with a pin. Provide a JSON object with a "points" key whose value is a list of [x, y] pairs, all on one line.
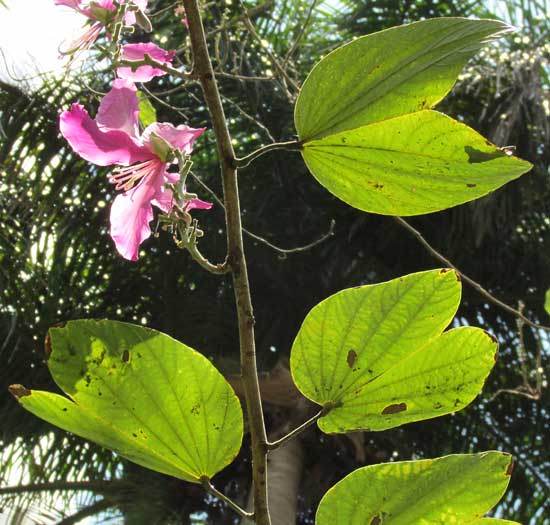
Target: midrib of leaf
{"points": [[358, 94], [141, 421], [133, 442], [183, 418]]}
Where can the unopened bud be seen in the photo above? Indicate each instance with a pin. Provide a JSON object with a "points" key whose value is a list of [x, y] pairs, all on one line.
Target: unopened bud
{"points": [[162, 149]]}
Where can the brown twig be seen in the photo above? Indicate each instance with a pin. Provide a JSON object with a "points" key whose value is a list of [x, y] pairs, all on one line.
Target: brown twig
{"points": [[249, 117], [285, 78], [475, 285], [203, 68], [283, 251], [301, 32]]}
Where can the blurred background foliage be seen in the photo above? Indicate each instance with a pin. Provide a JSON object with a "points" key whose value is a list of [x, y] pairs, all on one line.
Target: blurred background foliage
{"points": [[58, 262]]}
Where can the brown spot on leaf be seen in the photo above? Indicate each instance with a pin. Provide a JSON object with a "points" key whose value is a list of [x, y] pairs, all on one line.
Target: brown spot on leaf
{"points": [[48, 345], [443, 271], [471, 185], [19, 391], [375, 521], [125, 356], [352, 357], [491, 337], [510, 468], [395, 408]]}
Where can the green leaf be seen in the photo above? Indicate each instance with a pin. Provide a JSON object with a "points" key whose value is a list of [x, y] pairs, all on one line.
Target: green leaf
{"points": [[375, 356], [390, 73], [492, 521], [547, 302], [457, 489], [409, 165], [147, 112], [142, 394]]}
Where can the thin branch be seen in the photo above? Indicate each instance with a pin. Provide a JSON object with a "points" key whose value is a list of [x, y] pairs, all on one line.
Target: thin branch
{"points": [[215, 492], [303, 27], [287, 251], [284, 74], [243, 77], [251, 13], [475, 285], [519, 391], [291, 145], [298, 430], [249, 117], [282, 251], [179, 111]]}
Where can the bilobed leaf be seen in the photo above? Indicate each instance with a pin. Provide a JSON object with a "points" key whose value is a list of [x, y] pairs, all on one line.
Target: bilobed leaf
{"points": [[147, 112], [367, 132], [457, 489], [377, 357], [390, 73], [409, 165], [142, 394]]}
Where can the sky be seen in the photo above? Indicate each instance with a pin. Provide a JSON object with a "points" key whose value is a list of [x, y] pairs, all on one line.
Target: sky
{"points": [[31, 32]]}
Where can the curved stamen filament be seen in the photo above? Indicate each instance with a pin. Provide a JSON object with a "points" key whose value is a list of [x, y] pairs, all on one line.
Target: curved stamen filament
{"points": [[84, 41], [126, 178]]}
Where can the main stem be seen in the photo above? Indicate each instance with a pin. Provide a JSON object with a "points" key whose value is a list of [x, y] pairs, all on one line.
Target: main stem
{"points": [[203, 69]]}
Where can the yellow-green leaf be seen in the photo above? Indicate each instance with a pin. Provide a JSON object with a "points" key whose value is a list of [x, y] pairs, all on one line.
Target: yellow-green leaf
{"points": [[409, 165], [457, 489], [142, 394], [377, 356]]}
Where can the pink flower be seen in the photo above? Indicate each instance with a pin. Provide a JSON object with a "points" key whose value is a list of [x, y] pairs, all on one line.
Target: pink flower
{"points": [[100, 13], [137, 52], [112, 138]]}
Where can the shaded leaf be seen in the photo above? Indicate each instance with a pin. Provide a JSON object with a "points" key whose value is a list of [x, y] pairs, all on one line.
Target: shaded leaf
{"points": [[142, 394], [375, 354], [452, 489], [409, 165], [390, 73]]}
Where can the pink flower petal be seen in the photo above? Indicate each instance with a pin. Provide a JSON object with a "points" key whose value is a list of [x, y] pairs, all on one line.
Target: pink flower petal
{"points": [[131, 213], [106, 4], [164, 200], [185, 22], [197, 204], [73, 4], [119, 109], [141, 4], [95, 145], [181, 137], [137, 52]]}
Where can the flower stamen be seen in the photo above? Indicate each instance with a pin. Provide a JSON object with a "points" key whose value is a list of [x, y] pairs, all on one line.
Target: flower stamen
{"points": [[127, 177]]}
